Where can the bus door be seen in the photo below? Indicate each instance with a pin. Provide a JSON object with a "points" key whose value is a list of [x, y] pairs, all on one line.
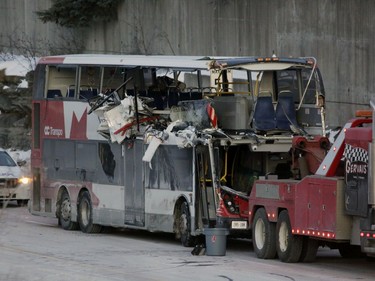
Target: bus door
{"points": [[133, 180], [206, 192]]}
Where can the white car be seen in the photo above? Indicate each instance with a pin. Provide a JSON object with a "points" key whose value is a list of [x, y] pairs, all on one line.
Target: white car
{"points": [[13, 185]]}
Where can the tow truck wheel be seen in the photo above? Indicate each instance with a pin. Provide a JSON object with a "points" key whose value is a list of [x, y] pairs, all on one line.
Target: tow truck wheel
{"points": [[309, 249], [350, 251], [65, 212], [288, 246], [85, 215], [184, 225], [264, 234]]}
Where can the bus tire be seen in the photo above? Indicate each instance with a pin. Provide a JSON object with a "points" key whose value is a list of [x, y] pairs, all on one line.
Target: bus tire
{"points": [[288, 246], [184, 225], [263, 235], [85, 215], [65, 213], [309, 249], [22, 203]]}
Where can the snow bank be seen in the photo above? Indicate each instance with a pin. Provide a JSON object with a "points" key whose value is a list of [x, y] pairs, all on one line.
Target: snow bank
{"points": [[17, 66]]}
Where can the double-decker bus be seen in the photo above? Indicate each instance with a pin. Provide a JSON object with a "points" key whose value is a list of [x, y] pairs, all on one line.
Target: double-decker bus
{"points": [[149, 142]]}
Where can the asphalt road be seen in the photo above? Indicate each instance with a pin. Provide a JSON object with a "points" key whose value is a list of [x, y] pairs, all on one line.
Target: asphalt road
{"points": [[35, 248]]}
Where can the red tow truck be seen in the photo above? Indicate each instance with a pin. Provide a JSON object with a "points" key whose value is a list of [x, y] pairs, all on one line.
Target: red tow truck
{"points": [[328, 198]]}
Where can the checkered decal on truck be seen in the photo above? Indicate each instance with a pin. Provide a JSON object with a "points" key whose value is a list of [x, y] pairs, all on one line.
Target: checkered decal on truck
{"points": [[355, 154]]}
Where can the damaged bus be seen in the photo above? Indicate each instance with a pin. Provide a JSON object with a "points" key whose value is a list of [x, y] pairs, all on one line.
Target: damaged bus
{"points": [[153, 142]]}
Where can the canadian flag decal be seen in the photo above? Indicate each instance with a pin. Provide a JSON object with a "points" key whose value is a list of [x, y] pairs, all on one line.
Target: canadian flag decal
{"points": [[79, 127]]}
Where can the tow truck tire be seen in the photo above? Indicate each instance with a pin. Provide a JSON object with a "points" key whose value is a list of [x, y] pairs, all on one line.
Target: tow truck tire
{"points": [[184, 225], [350, 251], [309, 249], [64, 213], [85, 215], [264, 235], [288, 246]]}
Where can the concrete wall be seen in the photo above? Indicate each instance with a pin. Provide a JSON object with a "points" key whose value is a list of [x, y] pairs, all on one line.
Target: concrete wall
{"points": [[339, 33], [21, 31]]}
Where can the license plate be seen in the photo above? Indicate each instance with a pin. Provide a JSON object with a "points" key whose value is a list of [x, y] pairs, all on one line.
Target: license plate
{"points": [[239, 225]]}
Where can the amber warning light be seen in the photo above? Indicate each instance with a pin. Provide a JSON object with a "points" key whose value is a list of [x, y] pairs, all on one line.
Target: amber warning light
{"points": [[267, 59], [363, 113]]}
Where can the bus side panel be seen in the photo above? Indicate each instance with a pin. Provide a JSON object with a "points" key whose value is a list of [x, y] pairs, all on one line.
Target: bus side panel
{"points": [[168, 178], [74, 165], [108, 186]]}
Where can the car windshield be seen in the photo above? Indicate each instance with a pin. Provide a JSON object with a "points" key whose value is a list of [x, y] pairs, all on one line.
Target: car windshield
{"points": [[6, 160]]}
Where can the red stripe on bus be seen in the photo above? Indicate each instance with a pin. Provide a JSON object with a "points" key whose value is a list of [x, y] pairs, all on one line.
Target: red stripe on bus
{"points": [[51, 60]]}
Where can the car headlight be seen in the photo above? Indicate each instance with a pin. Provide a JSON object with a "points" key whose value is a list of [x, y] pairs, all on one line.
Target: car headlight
{"points": [[24, 180]]}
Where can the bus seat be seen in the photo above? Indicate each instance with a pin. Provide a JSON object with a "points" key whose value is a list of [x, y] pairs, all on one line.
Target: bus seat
{"points": [[264, 113], [158, 101], [196, 95], [130, 92], [70, 93], [142, 93], [285, 111], [184, 96], [173, 98], [54, 93], [87, 94]]}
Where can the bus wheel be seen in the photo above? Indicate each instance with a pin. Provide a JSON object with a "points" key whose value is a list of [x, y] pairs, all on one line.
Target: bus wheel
{"points": [[288, 246], [263, 235], [85, 215], [22, 203], [65, 213], [184, 225]]}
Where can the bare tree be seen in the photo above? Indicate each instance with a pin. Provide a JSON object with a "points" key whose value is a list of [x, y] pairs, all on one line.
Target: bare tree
{"points": [[143, 40]]}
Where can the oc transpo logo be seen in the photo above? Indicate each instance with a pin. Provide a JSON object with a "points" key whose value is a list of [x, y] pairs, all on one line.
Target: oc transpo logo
{"points": [[50, 131]]}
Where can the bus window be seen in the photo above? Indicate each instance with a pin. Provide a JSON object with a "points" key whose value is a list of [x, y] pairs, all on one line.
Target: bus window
{"points": [[89, 83], [39, 81], [113, 77], [287, 80], [241, 84], [171, 169], [142, 78], [313, 87], [107, 160], [59, 80]]}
